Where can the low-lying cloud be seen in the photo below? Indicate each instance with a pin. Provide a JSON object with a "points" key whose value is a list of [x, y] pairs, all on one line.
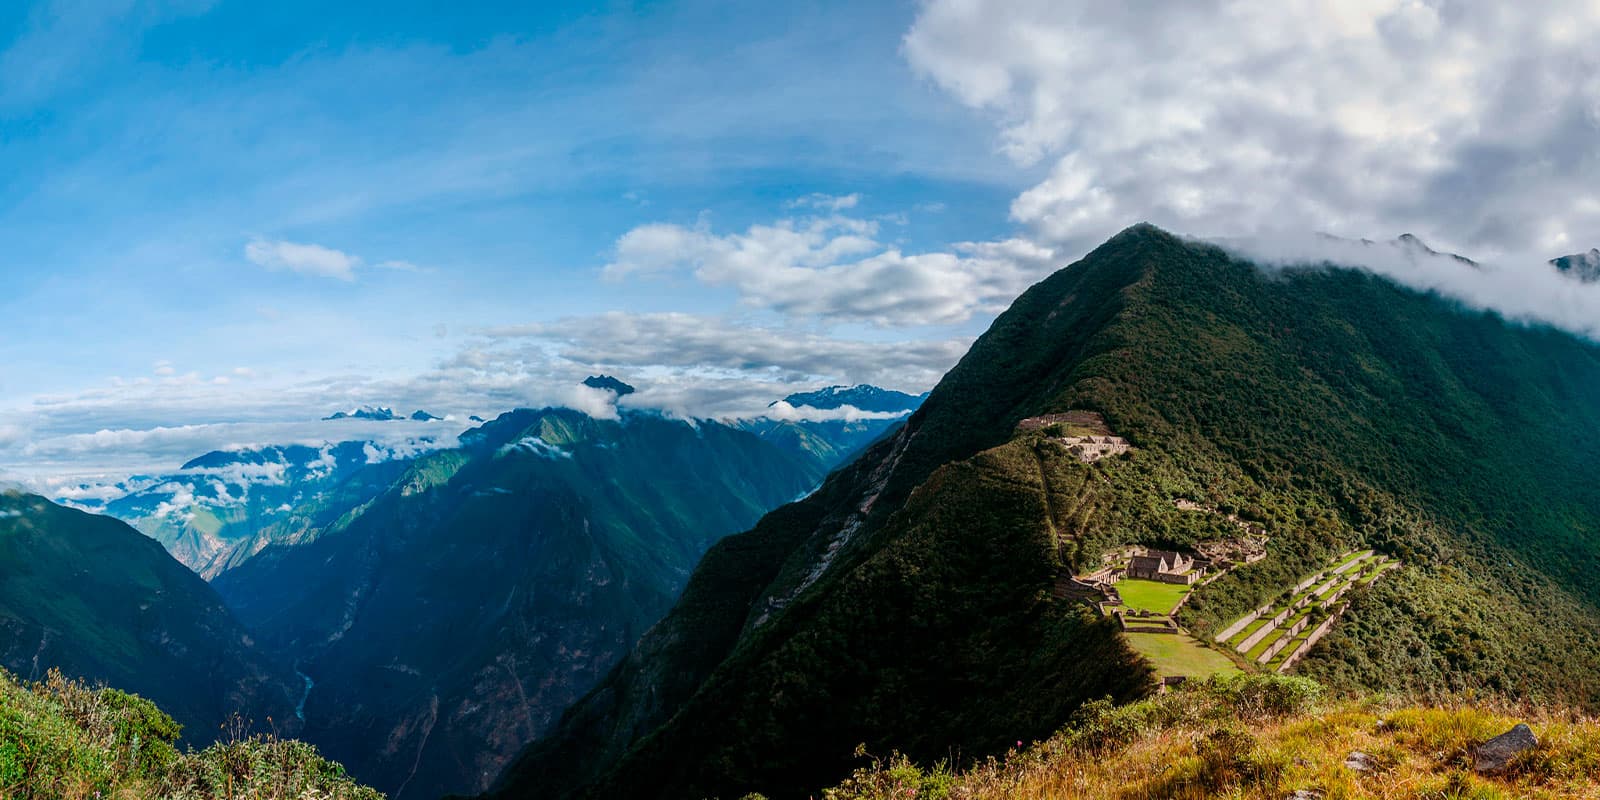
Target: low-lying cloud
{"points": [[782, 410], [661, 350], [1528, 290]]}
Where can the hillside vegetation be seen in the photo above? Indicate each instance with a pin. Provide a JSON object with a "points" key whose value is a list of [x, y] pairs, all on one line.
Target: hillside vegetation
{"points": [[1262, 738], [908, 603], [93, 597], [63, 739]]}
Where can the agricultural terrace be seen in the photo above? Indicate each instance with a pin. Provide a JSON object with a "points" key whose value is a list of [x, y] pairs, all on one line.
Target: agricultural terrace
{"points": [[1275, 635], [1272, 637]]}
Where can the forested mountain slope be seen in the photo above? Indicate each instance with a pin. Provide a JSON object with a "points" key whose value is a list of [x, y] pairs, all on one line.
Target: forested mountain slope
{"points": [[93, 597], [912, 602], [450, 618]]}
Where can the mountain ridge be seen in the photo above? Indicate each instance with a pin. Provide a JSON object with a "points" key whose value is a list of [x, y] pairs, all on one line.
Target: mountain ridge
{"points": [[1256, 394]]}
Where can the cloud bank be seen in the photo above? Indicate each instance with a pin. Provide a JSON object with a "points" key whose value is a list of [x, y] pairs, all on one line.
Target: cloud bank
{"points": [[1473, 123], [1527, 290]]}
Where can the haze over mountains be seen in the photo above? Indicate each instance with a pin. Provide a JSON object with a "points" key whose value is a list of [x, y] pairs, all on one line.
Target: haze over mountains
{"points": [[214, 509], [360, 571]]}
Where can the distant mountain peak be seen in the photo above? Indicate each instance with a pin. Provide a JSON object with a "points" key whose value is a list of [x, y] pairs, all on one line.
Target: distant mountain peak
{"points": [[381, 414], [378, 413], [1583, 266], [610, 383], [865, 397], [1412, 242]]}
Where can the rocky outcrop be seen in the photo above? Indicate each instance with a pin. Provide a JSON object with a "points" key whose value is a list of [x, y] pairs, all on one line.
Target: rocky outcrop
{"points": [[1498, 753]]}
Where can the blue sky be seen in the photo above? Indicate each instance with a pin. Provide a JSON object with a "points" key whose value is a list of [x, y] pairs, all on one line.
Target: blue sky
{"points": [[503, 152], [223, 220], [496, 153]]}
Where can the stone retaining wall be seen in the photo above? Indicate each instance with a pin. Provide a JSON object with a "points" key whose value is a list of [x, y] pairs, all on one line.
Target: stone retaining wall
{"points": [[1261, 633], [1315, 636], [1283, 641], [1301, 586], [1231, 630], [1355, 558]]}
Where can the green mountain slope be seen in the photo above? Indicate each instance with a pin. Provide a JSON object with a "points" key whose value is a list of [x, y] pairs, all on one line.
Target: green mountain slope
{"points": [[450, 619], [97, 599], [910, 603]]}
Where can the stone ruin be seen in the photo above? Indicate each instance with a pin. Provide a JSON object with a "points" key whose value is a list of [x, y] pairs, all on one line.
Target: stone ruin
{"points": [[1090, 449]]}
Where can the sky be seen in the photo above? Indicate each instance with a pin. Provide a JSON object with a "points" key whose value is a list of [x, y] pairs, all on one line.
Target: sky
{"points": [[223, 220]]}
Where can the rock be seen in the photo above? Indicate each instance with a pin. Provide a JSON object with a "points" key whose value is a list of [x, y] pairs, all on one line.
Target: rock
{"points": [[1305, 794], [1497, 753], [1360, 762]]}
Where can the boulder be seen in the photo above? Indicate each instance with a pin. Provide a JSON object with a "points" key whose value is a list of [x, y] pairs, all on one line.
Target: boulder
{"points": [[1360, 762], [1497, 753]]}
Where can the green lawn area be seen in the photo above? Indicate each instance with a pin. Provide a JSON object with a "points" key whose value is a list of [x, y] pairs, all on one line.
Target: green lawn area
{"points": [[1180, 655], [1150, 595]]}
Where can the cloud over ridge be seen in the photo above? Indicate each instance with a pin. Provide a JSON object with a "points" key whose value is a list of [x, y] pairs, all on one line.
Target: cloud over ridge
{"points": [[1472, 122]]}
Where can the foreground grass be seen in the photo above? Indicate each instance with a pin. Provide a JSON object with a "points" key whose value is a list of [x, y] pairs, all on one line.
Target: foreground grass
{"points": [[1261, 737], [62, 739]]}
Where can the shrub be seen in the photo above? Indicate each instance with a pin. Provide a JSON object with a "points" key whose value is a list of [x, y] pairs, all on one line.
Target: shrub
{"points": [[1266, 695], [895, 779], [61, 738]]}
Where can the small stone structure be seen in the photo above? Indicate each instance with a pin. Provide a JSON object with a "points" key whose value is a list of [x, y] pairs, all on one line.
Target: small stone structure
{"points": [[1089, 421], [1165, 566], [1090, 449], [1084, 434]]}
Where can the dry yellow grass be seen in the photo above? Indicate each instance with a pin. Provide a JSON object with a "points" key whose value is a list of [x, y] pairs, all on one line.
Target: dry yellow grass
{"points": [[1192, 745]]}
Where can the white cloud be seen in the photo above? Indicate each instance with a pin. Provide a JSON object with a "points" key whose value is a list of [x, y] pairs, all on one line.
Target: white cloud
{"points": [[1472, 123], [833, 268], [535, 446], [306, 259], [826, 202], [1527, 290], [782, 410]]}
